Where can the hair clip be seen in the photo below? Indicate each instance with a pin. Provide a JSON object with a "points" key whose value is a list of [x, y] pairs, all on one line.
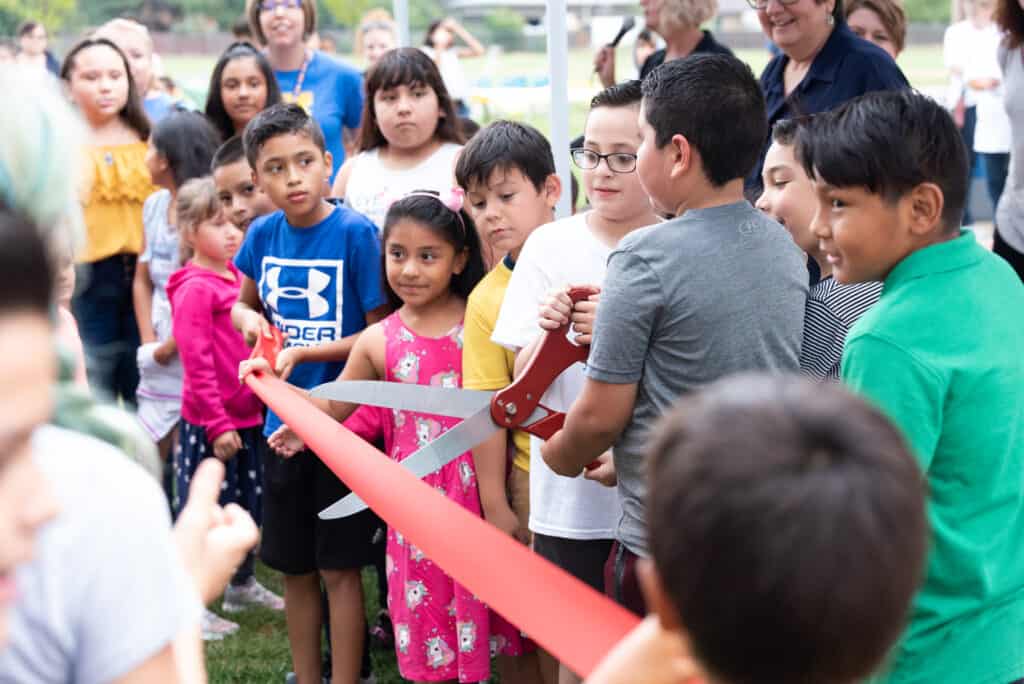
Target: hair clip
{"points": [[453, 200]]}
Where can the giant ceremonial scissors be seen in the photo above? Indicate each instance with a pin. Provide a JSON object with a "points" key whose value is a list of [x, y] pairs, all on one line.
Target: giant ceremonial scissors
{"points": [[516, 407]]}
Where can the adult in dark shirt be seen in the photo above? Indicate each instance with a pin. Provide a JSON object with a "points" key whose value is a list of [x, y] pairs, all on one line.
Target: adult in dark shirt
{"points": [[822, 65], [678, 22]]}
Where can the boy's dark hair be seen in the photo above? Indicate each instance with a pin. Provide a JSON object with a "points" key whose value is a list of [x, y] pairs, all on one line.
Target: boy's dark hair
{"points": [[504, 145], [425, 207], [694, 97], [215, 103], [790, 548], [188, 141], [27, 27], [241, 29], [133, 113], [280, 119], [26, 266], [230, 152], [469, 127], [623, 94], [406, 66], [785, 131], [889, 143]]}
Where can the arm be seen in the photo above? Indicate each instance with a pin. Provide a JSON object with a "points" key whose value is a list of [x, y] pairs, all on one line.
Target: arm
{"points": [[339, 350], [247, 313], [142, 299], [473, 46], [592, 426], [341, 180], [366, 362]]}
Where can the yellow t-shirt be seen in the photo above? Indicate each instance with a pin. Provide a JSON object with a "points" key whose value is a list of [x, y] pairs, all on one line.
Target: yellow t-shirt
{"points": [[486, 365], [117, 184]]}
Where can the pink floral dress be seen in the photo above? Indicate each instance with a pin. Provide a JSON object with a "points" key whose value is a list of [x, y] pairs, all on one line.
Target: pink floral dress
{"points": [[441, 630]]}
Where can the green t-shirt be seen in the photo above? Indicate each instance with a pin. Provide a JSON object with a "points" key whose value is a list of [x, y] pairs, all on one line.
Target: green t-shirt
{"points": [[942, 354]]}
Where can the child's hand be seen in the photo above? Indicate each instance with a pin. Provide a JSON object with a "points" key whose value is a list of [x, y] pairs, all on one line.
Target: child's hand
{"points": [[583, 316], [254, 326], [227, 445], [555, 309], [287, 359], [648, 654], [285, 442], [250, 366], [212, 540], [165, 352], [501, 515], [602, 470]]}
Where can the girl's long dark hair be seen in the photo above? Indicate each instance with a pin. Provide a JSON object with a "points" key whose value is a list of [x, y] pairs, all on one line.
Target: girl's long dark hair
{"points": [[406, 66], [133, 113], [1010, 17], [431, 213], [215, 110], [188, 141]]}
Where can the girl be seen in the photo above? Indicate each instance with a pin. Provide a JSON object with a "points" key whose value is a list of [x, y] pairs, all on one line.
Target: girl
{"points": [[100, 83], [242, 86], [377, 35], [439, 45], [432, 262], [220, 418], [180, 149], [410, 136]]}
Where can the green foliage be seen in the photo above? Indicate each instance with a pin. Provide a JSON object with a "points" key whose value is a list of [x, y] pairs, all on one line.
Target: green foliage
{"points": [[224, 12], [927, 11], [506, 28], [53, 13]]}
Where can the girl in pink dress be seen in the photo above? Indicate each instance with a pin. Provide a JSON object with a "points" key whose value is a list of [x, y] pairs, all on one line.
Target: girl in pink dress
{"points": [[432, 262]]}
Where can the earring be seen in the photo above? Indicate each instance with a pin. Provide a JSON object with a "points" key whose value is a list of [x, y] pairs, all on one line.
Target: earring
{"points": [[830, 20]]}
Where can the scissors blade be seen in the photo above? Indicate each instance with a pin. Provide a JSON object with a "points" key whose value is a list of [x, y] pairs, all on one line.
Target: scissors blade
{"points": [[439, 401], [430, 457]]}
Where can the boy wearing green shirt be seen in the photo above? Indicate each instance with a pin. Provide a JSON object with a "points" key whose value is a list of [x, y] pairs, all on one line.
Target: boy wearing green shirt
{"points": [[942, 353]]}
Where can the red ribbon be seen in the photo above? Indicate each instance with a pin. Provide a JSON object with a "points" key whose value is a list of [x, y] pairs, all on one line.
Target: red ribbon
{"points": [[574, 623]]}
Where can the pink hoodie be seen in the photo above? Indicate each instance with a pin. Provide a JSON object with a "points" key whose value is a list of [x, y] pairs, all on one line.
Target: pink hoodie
{"points": [[210, 350]]}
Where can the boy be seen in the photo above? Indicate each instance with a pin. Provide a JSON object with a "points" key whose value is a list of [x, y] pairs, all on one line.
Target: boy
{"points": [[242, 200], [573, 520], [940, 353], [832, 309], [718, 290], [508, 173], [784, 551], [314, 270]]}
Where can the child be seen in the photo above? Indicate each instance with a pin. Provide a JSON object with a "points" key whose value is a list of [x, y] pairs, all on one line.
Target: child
{"points": [[219, 418], [180, 149], [941, 356], [573, 520], [432, 262], [241, 86], [240, 198], [376, 35], [313, 270], [409, 139], [789, 198], [133, 39], [119, 183], [508, 172], [718, 290], [760, 538]]}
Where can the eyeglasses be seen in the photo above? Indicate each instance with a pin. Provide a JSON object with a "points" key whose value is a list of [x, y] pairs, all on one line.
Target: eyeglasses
{"points": [[271, 5], [618, 162], [762, 4]]}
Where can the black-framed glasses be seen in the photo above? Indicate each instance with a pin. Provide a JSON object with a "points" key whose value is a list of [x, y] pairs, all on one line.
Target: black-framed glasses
{"points": [[618, 162], [271, 5], [762, 4]]}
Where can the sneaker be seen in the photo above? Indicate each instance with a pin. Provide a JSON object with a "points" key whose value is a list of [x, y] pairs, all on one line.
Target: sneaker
{"points": [[215, 627], [252, 593]]}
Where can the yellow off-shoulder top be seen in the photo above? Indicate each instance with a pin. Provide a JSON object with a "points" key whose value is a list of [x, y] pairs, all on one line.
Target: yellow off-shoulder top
{"points": [[117, 183]]}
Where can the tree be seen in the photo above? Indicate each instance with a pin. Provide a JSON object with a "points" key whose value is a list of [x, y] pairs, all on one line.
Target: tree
{"points": [[52, 13], [927, 11]]}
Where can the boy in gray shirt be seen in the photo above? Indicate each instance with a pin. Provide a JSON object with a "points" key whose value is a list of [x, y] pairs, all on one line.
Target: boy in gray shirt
{"points": [[719, 290]]}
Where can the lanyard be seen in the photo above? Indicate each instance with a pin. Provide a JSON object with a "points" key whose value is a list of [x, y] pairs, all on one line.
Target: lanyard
{"points": [[297, 90]]}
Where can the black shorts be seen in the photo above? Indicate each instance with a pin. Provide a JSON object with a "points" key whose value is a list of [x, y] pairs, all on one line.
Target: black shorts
{"points": [[584, 559], [295, 540]]}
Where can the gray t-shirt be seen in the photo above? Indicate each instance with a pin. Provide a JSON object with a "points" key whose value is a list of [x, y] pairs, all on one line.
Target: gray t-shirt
{"points": [[105, 590], [715, 292], [1010, 212], [161, 253]]}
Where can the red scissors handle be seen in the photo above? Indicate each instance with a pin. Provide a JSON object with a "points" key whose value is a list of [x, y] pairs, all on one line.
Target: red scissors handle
{"points": [[512, 406], [268, 347]]}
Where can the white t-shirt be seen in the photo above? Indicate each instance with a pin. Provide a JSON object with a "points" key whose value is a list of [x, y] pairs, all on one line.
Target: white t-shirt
{"points": [[161, 253], [955, 43], [106, 589], [372, 187], [562, 253], [992, 133]]}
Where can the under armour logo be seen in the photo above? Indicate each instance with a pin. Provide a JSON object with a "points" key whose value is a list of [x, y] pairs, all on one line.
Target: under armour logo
{"points": [[316, 282]]}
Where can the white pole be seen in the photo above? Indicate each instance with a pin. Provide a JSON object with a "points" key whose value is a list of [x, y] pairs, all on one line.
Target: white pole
{"points": [[558, 67], [400, 9]]}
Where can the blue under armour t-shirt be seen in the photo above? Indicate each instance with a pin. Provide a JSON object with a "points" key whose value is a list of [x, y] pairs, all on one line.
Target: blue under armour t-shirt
{"points": [[316, 284], [332, 92]]}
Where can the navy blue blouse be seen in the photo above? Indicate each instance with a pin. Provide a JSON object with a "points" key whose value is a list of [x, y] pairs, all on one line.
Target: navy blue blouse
{"points": [[846, 67]]}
